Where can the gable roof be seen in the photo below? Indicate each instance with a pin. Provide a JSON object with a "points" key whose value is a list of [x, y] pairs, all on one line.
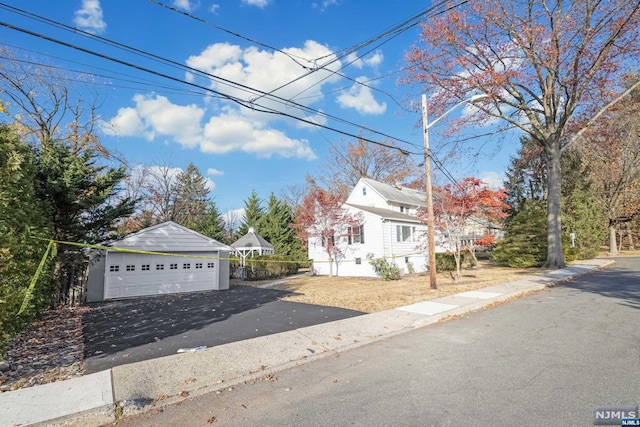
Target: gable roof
{"points": [[251, 240], [386, 213], [397, 194], [171, 237]]}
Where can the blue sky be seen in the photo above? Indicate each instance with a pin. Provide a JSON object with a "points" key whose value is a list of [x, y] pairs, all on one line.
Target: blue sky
{"points": [[253, 47]]}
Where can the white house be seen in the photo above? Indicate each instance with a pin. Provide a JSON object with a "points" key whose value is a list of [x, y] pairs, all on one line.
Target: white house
{"points": [[389, 229], [189, 262]]}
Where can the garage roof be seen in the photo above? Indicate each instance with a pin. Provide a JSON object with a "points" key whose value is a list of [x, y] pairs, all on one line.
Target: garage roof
{"points": [[170, 237]]}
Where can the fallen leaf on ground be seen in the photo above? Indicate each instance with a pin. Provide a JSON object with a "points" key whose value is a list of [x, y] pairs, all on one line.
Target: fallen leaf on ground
{"points": [[190, 381], [183, 394], [211, 420]]}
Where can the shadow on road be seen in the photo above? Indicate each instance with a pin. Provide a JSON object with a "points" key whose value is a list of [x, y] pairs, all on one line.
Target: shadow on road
{"points": [[620, 281]]}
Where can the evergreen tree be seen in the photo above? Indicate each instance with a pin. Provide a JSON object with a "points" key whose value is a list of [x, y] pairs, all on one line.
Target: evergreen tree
{"points": [[22, 223], [276, 227], [190, 195], [582, 210], [253, 214], [213, 224], [80, 198], [525, 240]]}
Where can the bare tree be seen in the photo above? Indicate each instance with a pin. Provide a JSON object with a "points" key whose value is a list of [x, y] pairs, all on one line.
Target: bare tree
{"points": [[348, 161], [45, 104]]}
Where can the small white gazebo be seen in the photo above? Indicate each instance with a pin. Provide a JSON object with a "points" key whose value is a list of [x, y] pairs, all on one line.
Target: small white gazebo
{"points": [[251, 244]]}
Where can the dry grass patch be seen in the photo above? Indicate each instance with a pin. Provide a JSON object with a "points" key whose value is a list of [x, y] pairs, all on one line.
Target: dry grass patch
{"points": [[374, 294]]}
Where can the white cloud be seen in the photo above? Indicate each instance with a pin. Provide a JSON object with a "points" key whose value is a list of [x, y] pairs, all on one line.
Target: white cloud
{"points": [[214, 8], [268, 71], [89, 17], [353, 60], [155, 116], [230, 131], [214, 172], [375, 59], [361, 99], [259, 3], [187, 5], [495, 180]]}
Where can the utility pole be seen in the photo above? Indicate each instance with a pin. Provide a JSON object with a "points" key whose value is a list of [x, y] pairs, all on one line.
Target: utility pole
{"points": [[430, 216]]}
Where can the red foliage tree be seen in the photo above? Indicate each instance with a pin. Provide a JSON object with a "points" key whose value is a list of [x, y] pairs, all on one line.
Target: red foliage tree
{"points": [[321, 215], [459, 207], [545, 66]]}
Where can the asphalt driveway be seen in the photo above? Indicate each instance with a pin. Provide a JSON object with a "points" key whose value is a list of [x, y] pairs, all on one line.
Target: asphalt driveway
{"points": [[120, 332]]}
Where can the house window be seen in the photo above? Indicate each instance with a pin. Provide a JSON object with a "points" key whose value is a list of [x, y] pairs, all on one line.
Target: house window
{"points": [[198, 265], [404, 233], [356, 234], [159, 266], [364, 191], [145, 267], [186, 266], [173, 266], [358, 261], [114, 268], [402, 209], [210, 265], [331, 239], [131, 268]]}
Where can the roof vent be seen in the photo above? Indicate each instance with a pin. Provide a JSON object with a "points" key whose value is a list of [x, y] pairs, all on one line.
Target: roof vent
{"points": [[398, 185]]}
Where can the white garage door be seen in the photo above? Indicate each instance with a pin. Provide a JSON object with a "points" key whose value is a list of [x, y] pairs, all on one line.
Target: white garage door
{"points": [[132, 275]]}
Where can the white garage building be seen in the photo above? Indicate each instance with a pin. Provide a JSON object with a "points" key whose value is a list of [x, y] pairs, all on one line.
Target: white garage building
{"points": [[200, 264]]}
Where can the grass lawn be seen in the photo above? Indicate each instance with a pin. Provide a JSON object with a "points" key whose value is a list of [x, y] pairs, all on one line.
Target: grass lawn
{"points": [[373, 294]]}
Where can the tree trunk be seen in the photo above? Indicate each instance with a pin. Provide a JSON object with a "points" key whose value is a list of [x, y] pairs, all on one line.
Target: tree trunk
{"points": [[555, 256], [613, 241], [632, 246]]}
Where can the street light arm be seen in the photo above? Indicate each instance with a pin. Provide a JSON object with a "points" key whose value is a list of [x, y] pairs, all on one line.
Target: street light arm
{"points": [[464, 101]]}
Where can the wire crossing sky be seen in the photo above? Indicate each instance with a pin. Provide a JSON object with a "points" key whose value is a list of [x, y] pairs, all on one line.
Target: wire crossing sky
{"points": [[252, 92]]}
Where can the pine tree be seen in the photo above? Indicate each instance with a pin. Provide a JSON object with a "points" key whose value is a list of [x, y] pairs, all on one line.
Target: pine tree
{"points": [[190, 194], [525, 240], [253, 214], [81, 201], [213, 224], [276, 227], [22, 223]]}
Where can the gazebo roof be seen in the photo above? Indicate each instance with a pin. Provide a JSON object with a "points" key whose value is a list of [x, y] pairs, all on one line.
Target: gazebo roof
{"points": [[252, 241]]}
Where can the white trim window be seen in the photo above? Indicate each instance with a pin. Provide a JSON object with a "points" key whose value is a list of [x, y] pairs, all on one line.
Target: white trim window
{"points": [[405, 233], [356, 234]]}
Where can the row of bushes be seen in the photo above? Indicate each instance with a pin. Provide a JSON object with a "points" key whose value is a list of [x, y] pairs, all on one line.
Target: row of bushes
{"points": [[267, 266]]}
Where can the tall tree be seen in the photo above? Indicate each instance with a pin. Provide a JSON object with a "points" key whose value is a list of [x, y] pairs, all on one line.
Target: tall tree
{"points": [[611, 150], [322, 217], [526, 175], [22, 221], [189, 197], [44, 106], [543, 64], [276, 226], [213, 224], [348, 161], [253, 215], [80, 198]]}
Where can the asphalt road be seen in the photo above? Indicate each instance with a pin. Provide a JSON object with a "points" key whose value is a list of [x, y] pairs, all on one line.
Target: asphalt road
{"points": [[128, 331], [544, 360]]}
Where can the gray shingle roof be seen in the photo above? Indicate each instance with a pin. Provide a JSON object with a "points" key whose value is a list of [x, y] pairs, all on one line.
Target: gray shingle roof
{"points": [[402, 195], [251, 240], [386, 213]]}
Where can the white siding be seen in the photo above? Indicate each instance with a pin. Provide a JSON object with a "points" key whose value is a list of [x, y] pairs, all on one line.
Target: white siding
{"points": [[372, 198], [380, 240]]}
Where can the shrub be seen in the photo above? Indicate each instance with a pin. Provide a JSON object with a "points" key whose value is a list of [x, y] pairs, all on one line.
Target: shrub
{"points": [[383, 268], [270, 267], [446, 262]]}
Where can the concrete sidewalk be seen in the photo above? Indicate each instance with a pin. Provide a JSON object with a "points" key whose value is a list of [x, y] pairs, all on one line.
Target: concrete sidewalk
{"points": [[100, 398]]}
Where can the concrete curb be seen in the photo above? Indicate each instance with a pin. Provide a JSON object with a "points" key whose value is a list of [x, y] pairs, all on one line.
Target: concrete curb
{"points": [[124, 390]]}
